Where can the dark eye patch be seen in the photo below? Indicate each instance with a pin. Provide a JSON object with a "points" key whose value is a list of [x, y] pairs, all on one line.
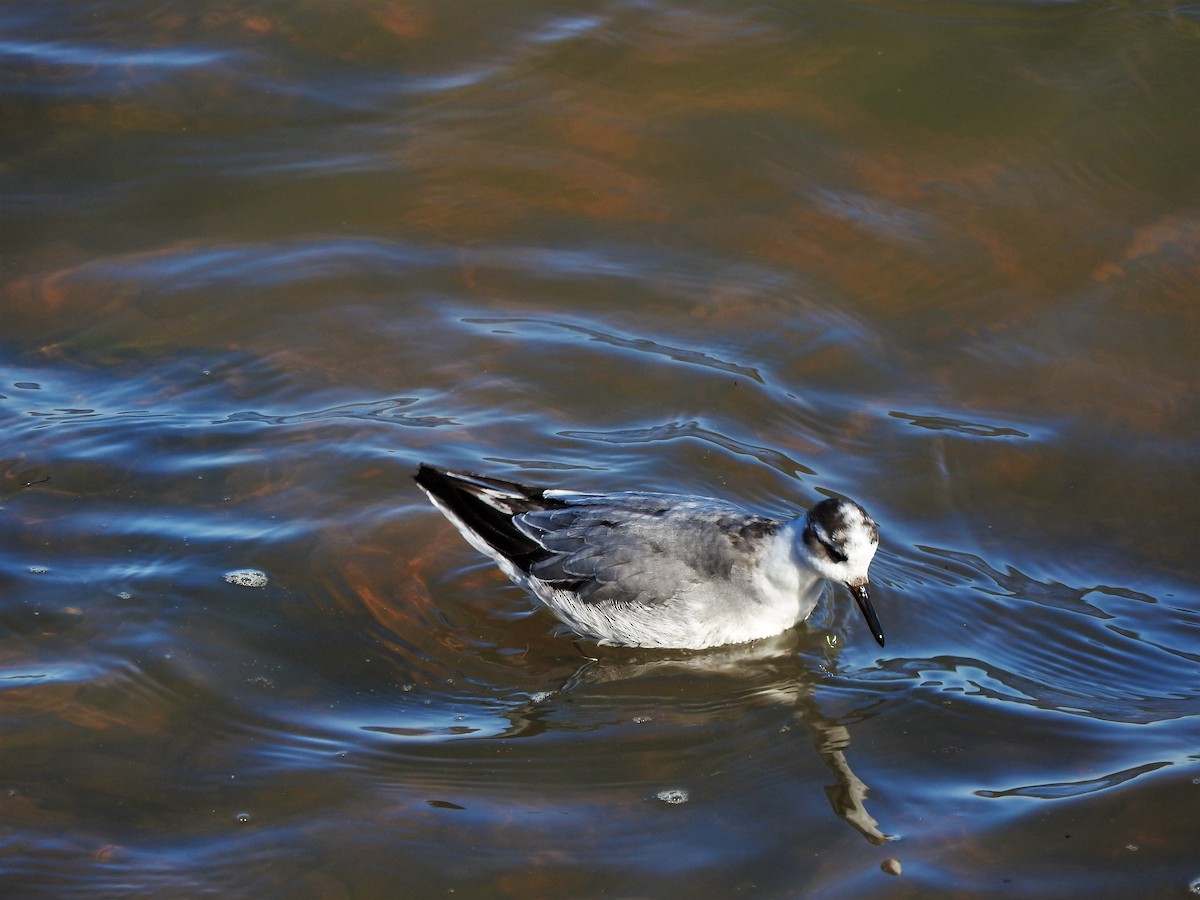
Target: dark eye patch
{"points": [[811, 534], [836, 555]]}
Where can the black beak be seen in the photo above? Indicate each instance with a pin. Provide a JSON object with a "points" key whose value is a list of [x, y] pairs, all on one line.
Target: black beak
{"points": [[864, 603]]}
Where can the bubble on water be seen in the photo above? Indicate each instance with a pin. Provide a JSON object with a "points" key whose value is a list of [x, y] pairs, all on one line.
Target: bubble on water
{"points": [[38, 570], [674, 796], [539, 696], [408, 687], [641, 720], [1194, 886], [124, 595], [247, 578], [1132, 848], [242, 818]]}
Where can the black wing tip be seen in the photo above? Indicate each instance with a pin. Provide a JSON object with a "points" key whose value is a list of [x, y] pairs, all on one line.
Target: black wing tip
{"points": [[427, 475], [435, 478], [453, 487], [485, 507], [437, 482]]}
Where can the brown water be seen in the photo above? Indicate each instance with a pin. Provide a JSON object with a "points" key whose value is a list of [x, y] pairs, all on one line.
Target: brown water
{"points": [[258, 262]]}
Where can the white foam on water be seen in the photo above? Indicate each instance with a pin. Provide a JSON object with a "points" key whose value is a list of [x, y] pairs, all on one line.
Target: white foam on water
{"points": [[247, 578], [673, 796]]}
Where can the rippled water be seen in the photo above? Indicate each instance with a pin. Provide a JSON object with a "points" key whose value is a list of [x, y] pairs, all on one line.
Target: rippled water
{"points": [[259, 262]]}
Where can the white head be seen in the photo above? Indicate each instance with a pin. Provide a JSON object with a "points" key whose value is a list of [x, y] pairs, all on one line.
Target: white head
{"points": [[839, 540]]}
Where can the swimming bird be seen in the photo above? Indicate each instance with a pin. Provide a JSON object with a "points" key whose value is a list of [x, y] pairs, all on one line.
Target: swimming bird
{"points": [[661, 570]]}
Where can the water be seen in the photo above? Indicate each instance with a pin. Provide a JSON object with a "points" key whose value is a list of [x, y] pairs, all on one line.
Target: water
{"points": [[940, 257]]}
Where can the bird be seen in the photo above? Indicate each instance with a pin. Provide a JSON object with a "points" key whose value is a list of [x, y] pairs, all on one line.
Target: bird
{"points": [[644, 569]]}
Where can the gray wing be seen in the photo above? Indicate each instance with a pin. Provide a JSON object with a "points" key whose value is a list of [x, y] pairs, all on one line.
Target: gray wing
{"points": [[642, 548]]}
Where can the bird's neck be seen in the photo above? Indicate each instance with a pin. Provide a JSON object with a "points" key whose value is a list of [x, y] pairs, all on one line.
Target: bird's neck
{"points": [[786, 563]]}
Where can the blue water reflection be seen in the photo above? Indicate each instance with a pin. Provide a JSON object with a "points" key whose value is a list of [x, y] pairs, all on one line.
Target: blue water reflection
{"points": [[940, 257]]}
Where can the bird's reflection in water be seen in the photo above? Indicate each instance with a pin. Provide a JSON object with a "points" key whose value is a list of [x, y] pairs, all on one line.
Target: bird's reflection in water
{"points": [[848, 796], [776, 672]]}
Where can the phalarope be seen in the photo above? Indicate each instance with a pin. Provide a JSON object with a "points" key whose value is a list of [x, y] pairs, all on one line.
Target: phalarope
{"points": [[661, 570]]}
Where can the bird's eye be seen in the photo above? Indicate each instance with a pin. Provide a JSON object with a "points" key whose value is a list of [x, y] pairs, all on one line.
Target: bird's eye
{"points": [[818, 535], [836, 555]]}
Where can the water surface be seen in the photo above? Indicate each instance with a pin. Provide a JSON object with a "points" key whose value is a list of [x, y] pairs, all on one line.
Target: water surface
{"points": [[940, 257]]}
